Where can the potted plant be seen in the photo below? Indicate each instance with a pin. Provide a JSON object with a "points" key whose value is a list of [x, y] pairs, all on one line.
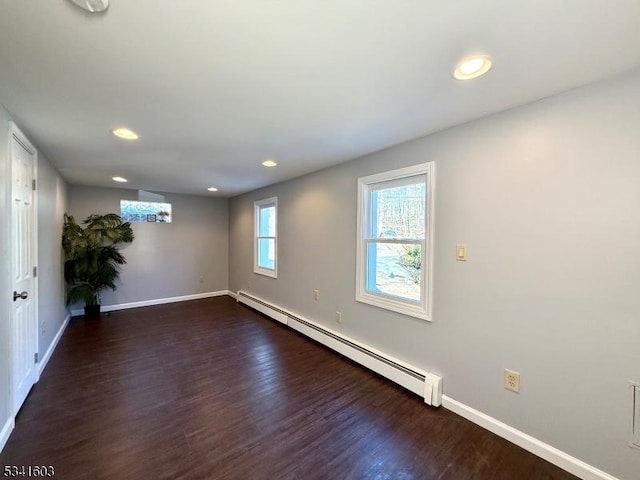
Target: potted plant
{"points": [[92, 257]]}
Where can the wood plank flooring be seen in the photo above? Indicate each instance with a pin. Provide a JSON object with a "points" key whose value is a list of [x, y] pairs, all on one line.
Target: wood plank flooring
{"points": [[210, 389]]}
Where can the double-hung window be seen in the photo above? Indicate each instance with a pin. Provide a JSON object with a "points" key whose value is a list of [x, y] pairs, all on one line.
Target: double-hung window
{"points": [[395, 240], [265, 248]]}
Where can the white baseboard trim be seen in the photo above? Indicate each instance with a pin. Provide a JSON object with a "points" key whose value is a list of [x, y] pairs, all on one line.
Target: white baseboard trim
{"points": [[551, 454], [306, 327], [156, 301], [6, 431], [416, 380], [54, 343]]}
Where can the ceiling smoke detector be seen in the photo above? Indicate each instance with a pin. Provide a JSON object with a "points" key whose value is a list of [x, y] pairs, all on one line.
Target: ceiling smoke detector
{"points": [[93, 6]]}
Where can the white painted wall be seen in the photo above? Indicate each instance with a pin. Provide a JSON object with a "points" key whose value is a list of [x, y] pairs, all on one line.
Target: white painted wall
{"points": [[545, 197], [164, 260]]}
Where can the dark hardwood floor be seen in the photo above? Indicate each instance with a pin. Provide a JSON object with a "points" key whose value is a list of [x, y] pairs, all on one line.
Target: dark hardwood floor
{"points": [[210, 389]]}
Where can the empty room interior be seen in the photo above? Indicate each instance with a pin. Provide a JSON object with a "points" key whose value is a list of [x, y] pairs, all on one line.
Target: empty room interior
{"points": [[368, 240]]}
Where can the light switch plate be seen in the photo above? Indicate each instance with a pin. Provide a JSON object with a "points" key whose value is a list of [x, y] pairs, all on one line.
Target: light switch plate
{"points": [[461, 252]]}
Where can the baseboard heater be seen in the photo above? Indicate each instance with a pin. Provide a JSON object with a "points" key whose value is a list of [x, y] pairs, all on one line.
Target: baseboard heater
{"points": [[424, 384]]}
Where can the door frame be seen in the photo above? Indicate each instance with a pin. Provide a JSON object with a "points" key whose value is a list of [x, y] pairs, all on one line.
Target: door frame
{"points": [[14, 131]]}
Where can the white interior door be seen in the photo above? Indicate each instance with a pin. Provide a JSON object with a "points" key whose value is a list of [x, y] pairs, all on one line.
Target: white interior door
{"points": [[23, 251]]}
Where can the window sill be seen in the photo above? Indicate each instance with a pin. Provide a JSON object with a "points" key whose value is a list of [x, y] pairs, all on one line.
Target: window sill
{"points": [[398, 306], [266, 272]]}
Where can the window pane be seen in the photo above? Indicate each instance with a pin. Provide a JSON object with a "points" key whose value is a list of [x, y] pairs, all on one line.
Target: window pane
{"points": [[133, 211], [267, 253], [395, 223], [394, 269], [267, 222], [398, 212]]}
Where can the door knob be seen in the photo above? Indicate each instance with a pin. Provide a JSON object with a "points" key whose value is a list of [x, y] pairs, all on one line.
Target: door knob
{"points": [[22, 295]]}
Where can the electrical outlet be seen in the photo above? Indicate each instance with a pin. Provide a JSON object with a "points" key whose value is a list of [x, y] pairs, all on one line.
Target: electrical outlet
{"points": [[201, 279], [512, 380], [339, 317], [316, 295], [43, 327]]}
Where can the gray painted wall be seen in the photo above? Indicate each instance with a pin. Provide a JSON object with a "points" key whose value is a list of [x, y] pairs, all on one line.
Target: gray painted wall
{"points": [[165, 260], [545, 197], [52, 203], [52, 197]]}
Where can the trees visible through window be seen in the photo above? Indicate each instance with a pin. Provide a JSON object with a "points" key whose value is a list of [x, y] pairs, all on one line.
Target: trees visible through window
{"points": [[394, 240], [265, 238]]}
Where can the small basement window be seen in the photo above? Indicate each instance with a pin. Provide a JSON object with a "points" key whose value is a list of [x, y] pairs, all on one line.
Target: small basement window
{"points": [[154, 212]]}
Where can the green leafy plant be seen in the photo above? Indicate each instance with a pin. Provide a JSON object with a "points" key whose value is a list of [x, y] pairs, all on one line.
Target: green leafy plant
{"points": [[411, 262], [92, 256]]}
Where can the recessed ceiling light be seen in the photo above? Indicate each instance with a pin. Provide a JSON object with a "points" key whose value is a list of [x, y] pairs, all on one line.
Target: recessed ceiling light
{"points": [[93, 6], [212, 189], [120, 179], [269, 163], [125, 133], [472, 67]]}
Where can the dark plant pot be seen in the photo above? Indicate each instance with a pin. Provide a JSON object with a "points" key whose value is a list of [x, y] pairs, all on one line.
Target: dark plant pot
{"points": [[91, 312]]}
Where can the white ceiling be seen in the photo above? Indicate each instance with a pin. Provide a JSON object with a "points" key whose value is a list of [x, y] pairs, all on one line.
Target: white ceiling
{"points": [[214, 87]]}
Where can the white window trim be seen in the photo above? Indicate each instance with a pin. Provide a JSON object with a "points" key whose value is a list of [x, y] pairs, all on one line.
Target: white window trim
{"points": [[273, 273], [423, 310]]}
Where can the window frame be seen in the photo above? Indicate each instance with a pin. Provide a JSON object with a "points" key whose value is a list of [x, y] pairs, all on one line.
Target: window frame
{"points": [[257, 206], [366, 185]]}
